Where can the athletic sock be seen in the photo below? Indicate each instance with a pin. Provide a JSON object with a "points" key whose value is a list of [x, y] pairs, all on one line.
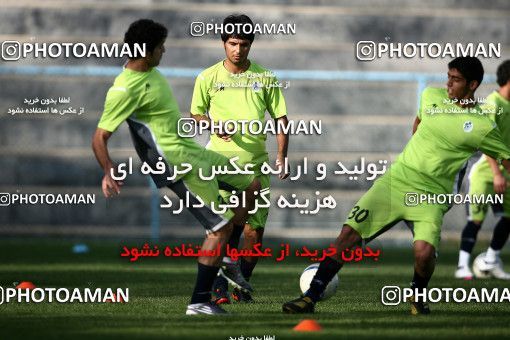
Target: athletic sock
{"points": [[500, 234], [236, 236], [247, 268], [220, 282], [233, 242], [327, 270], [464, 258], [492, 255], [468, 237], [205, 279], [419, 283]]}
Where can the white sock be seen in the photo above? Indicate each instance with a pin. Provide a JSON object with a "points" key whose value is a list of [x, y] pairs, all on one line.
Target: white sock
{"points": [[464, 257], [492, 255]]}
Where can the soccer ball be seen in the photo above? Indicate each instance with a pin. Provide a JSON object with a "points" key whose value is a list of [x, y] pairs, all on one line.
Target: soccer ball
{"points": [[306, 279], [479, 267]]}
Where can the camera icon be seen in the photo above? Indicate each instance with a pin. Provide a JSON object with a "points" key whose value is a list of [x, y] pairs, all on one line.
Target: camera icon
{"points": [[391, 295], [11, 50], [187, 127], [5, 199], [411, 199], [197, 28], [365, 50]]}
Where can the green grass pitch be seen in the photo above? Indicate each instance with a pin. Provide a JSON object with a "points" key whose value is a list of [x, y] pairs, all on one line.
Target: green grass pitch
{"points": [[160, 290]]}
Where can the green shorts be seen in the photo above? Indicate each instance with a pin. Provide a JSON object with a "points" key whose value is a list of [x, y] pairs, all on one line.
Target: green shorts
{"points": [[388, 202], [259, 218], [209, 190], [480, 186]]}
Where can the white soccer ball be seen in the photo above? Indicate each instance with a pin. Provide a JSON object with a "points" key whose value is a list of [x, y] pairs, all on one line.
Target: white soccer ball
{"points": [[479, 267], [306, 279]]}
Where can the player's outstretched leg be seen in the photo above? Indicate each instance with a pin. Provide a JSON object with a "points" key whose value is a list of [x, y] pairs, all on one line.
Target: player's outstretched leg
{"points": [[207, 270], [328, 268], [491, 263], [208, 266], [424, 264], [229, 267], [230, 270], [252, 236], [468, 240]]}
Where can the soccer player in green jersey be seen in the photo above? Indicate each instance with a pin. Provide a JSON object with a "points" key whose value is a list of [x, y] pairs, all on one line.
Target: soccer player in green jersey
{"points": [[235, 89], [487, 177], [446, 135], [142, 97]]}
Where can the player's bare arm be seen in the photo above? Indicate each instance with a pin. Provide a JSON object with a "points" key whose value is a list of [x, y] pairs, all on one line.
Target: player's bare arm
{"points": [[282, 139], [506, 164], [109, 186], [417, 122], [499, 179], [198, 118]]}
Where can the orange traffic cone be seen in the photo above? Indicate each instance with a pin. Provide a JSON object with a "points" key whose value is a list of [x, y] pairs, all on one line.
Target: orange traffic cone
{"points": [[25, 285], [116, 298], [308, 325]]}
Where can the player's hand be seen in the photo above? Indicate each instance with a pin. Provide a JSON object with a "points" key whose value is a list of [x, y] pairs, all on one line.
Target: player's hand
{"points": [[110, 186], [280, 164], [224, 136], [499, 184]]}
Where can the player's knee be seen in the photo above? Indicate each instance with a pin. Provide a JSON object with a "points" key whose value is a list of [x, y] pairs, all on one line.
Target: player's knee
{"points": [[252, 235], [255, 185], [251, 238], [349, 234], [424, 258], [424, 253], [250, 191], [224, 232]]}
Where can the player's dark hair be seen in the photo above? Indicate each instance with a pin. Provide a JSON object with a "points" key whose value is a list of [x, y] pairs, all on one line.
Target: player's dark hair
{"points": [[470, 67], [145, 31], [238, 20], [503, 73]]}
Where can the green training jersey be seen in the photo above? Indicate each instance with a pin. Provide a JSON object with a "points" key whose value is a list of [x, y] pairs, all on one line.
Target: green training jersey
{"points": [[146, 97], [245, 96], [446, 138], [499, 107]]}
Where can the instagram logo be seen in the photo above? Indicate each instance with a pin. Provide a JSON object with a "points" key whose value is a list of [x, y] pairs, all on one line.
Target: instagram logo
{"points": [[5, 199], [197, 29], [365, 50], [411, 199], [390, 295], [187, 128], [11, 50]]}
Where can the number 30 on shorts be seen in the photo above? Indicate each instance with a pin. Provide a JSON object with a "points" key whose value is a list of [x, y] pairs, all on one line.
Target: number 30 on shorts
{"points": [[358, 214]]}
